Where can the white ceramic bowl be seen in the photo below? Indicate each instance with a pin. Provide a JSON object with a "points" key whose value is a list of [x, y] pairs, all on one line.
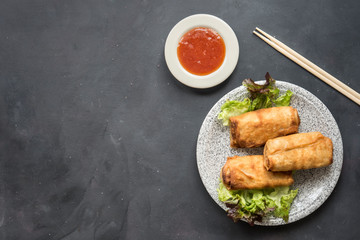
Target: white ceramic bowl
{"points": [[231, 54]]}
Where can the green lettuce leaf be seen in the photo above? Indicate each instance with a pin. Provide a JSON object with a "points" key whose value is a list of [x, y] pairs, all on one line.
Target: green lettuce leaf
{"points": [[261, 96], [282, 198], [283, 100], [233, 108], [253, 205], [226, 196]]}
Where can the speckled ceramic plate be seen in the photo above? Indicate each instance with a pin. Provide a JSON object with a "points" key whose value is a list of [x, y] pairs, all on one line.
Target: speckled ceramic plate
{"points": [[315, 185]]}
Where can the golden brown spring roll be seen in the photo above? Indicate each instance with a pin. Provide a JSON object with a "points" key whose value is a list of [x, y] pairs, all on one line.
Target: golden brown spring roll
{"points": [[248, 172], [253, 129], [298, 151]]}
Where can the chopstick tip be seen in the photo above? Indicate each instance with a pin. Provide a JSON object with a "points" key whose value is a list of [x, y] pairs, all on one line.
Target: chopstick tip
{"points": [[256, 33]]}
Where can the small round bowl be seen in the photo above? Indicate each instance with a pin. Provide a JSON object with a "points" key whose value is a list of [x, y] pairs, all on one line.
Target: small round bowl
{"points": [[231, 54]]}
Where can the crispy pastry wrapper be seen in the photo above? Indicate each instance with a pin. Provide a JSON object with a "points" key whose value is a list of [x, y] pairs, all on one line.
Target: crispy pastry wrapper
{"points": [[248, 172], [253, 129], [298, 151]]}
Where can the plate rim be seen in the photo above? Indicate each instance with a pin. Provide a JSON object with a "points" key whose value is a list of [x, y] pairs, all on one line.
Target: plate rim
{"points": [[327, 113]]}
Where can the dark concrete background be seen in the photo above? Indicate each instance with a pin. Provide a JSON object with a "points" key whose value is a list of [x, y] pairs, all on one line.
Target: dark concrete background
{"points": [[97, 139]]}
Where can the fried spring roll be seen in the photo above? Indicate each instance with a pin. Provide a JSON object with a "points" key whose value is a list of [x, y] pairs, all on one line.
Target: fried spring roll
{"points": [[248, 172], [298, 151], [254, 128]]}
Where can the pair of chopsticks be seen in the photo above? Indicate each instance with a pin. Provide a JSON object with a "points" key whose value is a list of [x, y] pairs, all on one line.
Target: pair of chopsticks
{"points": [[309, 66]]}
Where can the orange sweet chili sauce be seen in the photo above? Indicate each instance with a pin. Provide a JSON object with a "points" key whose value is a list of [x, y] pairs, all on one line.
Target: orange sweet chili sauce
{"points": [[201, 51]]}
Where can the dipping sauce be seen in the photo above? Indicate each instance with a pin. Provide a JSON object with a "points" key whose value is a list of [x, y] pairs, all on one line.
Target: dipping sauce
{"points": [[201, 51]]}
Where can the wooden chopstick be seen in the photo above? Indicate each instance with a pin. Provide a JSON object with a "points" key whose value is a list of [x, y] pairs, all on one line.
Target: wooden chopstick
{"points": [[309, 66]]}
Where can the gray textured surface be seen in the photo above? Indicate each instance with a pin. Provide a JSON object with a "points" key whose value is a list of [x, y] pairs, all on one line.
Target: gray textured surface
{"points": [[98, 139], [315, 185]]}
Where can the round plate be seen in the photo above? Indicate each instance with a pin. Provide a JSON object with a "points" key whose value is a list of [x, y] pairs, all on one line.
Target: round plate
{"points": [[315, 185], [231, 55]]}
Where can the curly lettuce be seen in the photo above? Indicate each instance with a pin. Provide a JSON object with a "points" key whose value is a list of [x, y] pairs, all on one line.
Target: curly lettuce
{"points": [[232, 108], [261, 96], [253, 205]]}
